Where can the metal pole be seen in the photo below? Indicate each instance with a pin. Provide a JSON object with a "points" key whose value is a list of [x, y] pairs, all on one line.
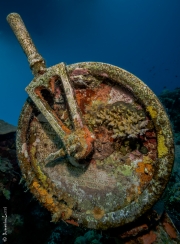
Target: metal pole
{"points": [[36, 61]]}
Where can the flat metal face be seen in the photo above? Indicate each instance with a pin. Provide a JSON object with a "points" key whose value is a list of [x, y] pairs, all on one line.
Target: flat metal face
{"points": [[132, 156]]}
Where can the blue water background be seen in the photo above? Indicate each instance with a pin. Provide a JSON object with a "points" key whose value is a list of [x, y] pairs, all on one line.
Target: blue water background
{"points": [[141, 36]]}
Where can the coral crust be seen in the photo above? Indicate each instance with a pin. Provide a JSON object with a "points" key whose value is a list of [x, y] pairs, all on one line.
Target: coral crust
{"points": [[98, 213], [162, 148], [152, 112]]}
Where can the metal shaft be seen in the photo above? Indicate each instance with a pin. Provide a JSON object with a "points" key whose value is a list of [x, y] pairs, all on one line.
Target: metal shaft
{"points": [[36, 61]]}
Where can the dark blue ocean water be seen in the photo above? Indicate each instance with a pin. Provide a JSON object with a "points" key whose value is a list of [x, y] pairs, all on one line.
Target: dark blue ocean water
{"points": [[141, 36]]}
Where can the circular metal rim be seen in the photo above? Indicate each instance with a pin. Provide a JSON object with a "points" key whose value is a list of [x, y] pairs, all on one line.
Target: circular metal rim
{"points": [[165, 146]]}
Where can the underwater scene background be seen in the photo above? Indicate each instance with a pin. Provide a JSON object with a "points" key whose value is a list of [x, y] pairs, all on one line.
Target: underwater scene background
{"points": [[142, 37], [139, 36]]}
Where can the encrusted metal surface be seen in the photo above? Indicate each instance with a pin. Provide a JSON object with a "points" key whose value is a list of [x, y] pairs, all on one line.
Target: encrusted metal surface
{"points": [[151, 228], [36, 61], [78, 141], [133, 153]]}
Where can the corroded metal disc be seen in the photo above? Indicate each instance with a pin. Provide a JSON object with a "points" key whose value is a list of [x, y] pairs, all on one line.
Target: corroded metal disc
{"points": [[133, 150]]}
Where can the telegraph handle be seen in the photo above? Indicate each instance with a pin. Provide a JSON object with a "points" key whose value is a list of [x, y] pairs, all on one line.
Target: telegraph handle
{"points": [[35, 60]]}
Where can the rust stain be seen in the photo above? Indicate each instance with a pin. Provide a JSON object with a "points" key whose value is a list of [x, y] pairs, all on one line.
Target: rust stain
{"points": [[52, 83], [169, 228], [103, 92], [148, 238], [72, 221], [85, 97], [134, 231]]}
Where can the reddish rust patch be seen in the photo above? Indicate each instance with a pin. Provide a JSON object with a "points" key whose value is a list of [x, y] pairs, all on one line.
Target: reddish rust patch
{"points": [[148, 238], [168, 226], [150, 134], [85, 97], [71, 221], [52, 83], [158, 235], [103, 92], [151, 144], [134, 231]]}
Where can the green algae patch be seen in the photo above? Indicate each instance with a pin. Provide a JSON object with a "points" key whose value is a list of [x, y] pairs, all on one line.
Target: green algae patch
{"points": [[126, 170]]}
